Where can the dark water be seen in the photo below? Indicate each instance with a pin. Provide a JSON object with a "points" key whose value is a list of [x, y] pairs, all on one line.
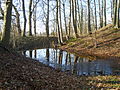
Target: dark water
{"points": [[73, 64]]}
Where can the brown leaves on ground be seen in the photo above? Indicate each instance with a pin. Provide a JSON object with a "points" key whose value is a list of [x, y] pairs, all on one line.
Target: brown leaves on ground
{"points": [[27, 74], [107, 41], [20, 73]]}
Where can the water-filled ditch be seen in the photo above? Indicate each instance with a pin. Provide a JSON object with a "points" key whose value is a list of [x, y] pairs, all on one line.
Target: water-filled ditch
{"points": [[72, 64]]}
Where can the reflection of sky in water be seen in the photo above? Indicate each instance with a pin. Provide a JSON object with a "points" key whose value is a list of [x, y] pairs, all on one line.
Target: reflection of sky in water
{"points": [[81, 67]]}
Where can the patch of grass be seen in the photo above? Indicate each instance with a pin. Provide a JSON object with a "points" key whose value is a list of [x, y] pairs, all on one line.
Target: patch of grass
{"points": [[105, 81], [71, 40]]}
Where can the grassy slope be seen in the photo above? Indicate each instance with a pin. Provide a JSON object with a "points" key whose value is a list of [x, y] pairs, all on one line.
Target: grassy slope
{"points": [[108, 43]]}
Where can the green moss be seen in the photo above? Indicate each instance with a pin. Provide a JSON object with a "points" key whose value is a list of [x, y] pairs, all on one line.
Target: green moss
{"points": [[71, 40]]}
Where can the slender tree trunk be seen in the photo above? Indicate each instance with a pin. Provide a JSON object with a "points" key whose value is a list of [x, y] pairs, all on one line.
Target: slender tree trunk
{"points": [[65, 21], [100, 14], [118, 14], [60, 18], [47, 19], [25, 20], [102, 9], [95, 15], [7, 23], [17, 19], [30, 16], [112, 8], [34, 20], [69, 19], [74, 14], [57, 23], [81, 23], [105, 20], [89, 23], [115, 12]]}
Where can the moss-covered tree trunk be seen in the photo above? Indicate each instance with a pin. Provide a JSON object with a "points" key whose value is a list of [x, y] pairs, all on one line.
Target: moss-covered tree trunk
{"points": [[7, 23]]}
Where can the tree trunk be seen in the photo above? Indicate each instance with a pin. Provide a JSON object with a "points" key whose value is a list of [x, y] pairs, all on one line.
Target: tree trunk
{"points": [[81, 18], [60, 19], [115, 12], [74, 14], [100, 14], [69, 19], [34, 20], [7, 23], [25, 20], [105, 20], [89, 23], [95, 15], [65, 21], [57, 23], [47, 19], [30, 16], [118, 14], [17, 19]]}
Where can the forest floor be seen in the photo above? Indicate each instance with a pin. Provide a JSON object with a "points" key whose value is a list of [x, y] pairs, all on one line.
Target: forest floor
{"points": [[104, 43], [20, 73]]}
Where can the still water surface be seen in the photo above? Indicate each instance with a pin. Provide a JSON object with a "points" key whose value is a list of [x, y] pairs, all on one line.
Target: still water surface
{"points": [[72, 64]]}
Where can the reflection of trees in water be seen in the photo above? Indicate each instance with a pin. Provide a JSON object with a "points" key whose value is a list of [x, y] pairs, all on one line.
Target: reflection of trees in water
{"points": [[47, 54], [66, 59], [69, 57], [60, 57], [56, 55], [73, 64], [35, 53], [30, 52]]}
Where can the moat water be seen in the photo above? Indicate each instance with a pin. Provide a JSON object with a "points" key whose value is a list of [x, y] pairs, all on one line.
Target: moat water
{"points": [[72, 64]]}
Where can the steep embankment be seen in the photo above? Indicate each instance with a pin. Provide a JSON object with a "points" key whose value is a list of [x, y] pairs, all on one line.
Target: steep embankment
{"points": [[105, 42]]}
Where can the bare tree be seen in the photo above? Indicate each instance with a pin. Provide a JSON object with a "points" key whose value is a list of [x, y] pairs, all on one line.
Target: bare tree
{"points": [[60, 18], [105, 20], [17, 19], [34, 20], [95, 14], [30, 16], [118, 14], [70, 18], [65, 21], [7, 23], [24, 15], [89, 23], [57, 23], [47, 19], [74, 15], [115, 12]]}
